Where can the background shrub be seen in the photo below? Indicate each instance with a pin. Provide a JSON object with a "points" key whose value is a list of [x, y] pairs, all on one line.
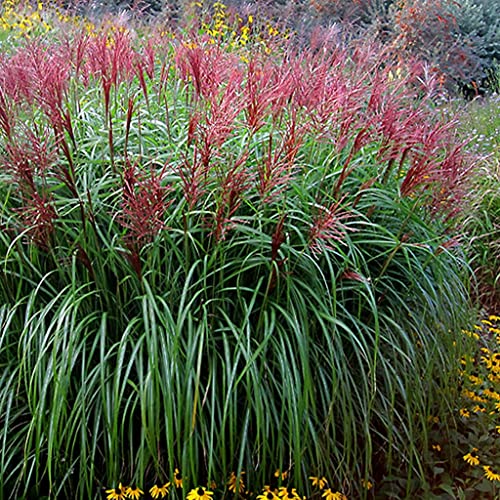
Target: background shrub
{"points": [[459, 40]]}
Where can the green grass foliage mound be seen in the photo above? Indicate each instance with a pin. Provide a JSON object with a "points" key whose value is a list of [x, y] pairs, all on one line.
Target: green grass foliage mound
{"points": [[220, 258]]}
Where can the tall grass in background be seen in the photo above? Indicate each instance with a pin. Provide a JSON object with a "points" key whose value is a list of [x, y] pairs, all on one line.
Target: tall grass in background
{"points": [[220, 257], [480, 123]]}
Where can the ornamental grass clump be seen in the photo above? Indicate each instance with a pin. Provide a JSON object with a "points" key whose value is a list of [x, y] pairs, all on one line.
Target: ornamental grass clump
{"points": [[218, 259]]}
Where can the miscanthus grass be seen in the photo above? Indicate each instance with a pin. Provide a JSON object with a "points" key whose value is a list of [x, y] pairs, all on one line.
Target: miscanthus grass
{"points": [[217, 258]]}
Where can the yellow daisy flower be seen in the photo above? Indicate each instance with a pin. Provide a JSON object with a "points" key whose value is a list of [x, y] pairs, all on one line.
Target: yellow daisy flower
{"points": [[490, 474], [133, 492], [333, 495], [288, 494], [236, 483], [495, 362], [199, 493], [490, 393], [268, 495], [159, 491], [471, 457], [177, 478], [116, 493], [318, 482], [283, 475]]}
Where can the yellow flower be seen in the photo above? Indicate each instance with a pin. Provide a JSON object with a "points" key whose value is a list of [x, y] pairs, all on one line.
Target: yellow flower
{"points": [[436, 447], [232, 483], [288, 494], [116, 493], [199, 493], [134, 492], [473, 396], [319, 482], [473, 335], [333, 495], [367, 485], [486, 361], [267, 494], [490, 393], [272, 31], [283, 475], [464, 412], [177, 478], [495, 362], [159, 491], [471, 457], [490, 473]]}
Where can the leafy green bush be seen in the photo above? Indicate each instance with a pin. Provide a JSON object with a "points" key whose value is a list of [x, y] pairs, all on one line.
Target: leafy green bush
{"points": [[216, 257], [479, 26]]}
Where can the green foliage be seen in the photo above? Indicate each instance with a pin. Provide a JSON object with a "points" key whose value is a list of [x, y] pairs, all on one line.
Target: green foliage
{"points": [[482, 218], [494, 79], [482, 226], [479, 26]]}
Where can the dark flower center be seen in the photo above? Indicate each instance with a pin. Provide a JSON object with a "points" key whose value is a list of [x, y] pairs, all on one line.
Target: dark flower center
{"points": [[178, 476], [201, 492], [270, 495]]}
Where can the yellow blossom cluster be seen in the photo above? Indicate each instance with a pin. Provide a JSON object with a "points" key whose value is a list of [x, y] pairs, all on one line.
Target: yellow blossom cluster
{"points": [[22, 18], [481, 392], [235, 486], [223, 25]]}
